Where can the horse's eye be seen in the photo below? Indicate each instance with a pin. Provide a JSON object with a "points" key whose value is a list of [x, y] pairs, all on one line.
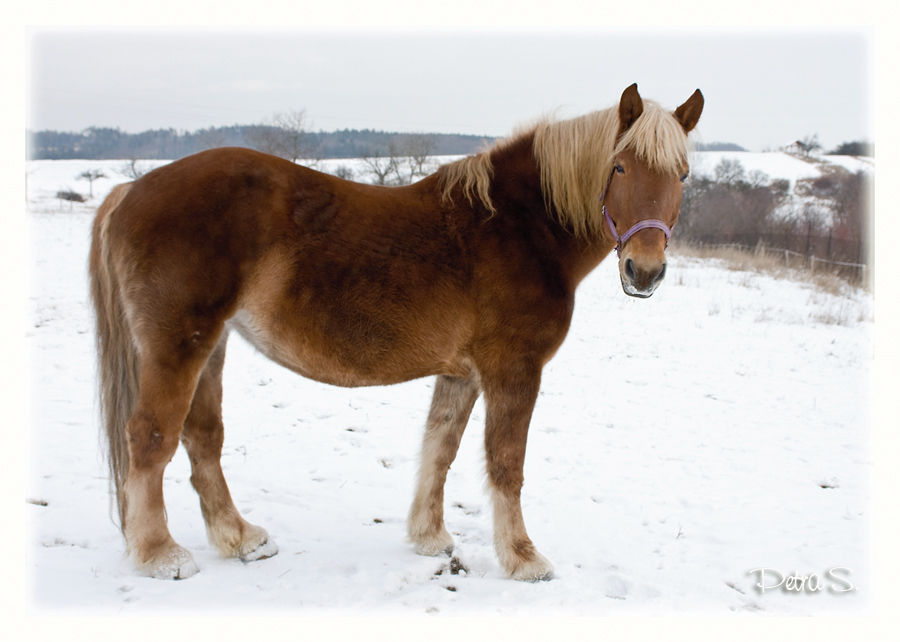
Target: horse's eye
{"points": [[620, 169], [683, 178]]}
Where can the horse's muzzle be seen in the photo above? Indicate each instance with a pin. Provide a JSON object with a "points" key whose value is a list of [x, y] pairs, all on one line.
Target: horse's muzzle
{"points": [[641, 283]]}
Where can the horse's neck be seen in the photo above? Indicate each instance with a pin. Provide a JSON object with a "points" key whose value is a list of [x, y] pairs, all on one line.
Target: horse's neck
{"points": [[517, 183], [516, 177]]}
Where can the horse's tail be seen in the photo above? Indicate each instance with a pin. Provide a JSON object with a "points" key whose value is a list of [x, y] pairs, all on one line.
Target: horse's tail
{"points": [[116, 353]]}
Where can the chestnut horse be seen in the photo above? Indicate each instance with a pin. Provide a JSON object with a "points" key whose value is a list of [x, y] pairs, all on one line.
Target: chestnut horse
{"points": [[469, 275]]}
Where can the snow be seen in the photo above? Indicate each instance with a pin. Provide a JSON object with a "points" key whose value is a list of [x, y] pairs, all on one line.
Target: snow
{"points": [[779, 164], [679, 442]]}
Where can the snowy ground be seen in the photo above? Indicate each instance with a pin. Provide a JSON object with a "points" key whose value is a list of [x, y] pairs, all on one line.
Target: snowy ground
{"points": [[678, 443]]}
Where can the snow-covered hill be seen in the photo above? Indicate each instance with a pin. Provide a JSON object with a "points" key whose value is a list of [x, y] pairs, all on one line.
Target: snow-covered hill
{"points": [[781, 165]]}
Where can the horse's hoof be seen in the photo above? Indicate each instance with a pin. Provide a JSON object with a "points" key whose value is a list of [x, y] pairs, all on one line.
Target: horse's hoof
{"points": [[538, 569], [264, 550], [442, 544], [244, 541], [176, 563], [434, 551]]}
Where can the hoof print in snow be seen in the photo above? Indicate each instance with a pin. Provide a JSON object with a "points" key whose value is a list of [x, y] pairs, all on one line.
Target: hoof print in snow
{"points": [[456, 567], [467, 511]]}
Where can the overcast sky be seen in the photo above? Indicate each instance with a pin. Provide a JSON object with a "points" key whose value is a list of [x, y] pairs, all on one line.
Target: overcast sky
{"points": [[764, 88]]}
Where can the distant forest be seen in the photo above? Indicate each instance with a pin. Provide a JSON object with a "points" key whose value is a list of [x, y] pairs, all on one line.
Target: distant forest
{"points": [[106, 143]]}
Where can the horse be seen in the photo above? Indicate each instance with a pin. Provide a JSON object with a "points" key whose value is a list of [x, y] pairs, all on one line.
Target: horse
{"points": [[468, 275]]}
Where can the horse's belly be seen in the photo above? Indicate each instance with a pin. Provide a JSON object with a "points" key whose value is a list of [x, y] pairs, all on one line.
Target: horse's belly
{"points": [[360, 359], [352, 324]]}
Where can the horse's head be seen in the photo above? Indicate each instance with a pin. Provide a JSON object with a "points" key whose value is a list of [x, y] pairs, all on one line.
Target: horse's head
{"points": [[643, 196]]}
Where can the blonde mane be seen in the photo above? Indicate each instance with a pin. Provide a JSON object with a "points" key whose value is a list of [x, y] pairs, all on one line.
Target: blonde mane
{"points": [[576, 159]]}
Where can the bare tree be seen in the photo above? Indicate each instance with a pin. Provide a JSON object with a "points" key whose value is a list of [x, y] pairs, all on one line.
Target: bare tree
{"points": [[848, 196], [133, 169], [90, 175], [811, 217], [733, 207], [758, 178], [729, 172], [418, 149], [403, 161], [383, 167], [344, 171], [809, 144], [286, 134]]}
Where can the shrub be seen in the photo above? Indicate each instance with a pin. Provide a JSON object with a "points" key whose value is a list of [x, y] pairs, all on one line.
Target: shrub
{"points": [[70, 195]]}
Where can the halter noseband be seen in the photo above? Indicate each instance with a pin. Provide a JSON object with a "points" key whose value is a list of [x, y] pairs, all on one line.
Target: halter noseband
{"points": [[637, 227], [634, 229]]}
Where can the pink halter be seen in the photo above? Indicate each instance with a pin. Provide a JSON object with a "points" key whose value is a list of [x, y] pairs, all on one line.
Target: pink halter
{"points": [[637, 227]]}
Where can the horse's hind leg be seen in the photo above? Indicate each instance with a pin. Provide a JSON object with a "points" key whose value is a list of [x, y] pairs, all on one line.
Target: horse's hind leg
{"points": [[203, 437], [168, 379], [450, 409]]}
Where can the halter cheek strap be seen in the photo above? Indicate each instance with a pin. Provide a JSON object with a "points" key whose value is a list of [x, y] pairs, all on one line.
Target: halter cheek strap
{"points": [[637, 227]]}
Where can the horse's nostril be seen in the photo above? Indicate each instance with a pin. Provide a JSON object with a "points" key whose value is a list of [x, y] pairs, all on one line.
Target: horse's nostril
{"points": [[629, 269], [660, 275]]}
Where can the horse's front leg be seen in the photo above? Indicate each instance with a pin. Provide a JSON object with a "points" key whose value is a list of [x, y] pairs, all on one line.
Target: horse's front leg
{"points": [[510, 395], [451, 406]]}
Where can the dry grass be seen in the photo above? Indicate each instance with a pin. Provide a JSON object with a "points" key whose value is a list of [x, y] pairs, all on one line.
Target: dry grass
{"points": [[771, 265]]}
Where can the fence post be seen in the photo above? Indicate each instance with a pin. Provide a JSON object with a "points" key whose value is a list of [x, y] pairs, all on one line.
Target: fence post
{"points": [[812, 263], [785, 257]]}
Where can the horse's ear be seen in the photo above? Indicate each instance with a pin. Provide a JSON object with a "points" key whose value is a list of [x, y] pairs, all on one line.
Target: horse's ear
{"points": [[630, 107], [689, 113]]}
